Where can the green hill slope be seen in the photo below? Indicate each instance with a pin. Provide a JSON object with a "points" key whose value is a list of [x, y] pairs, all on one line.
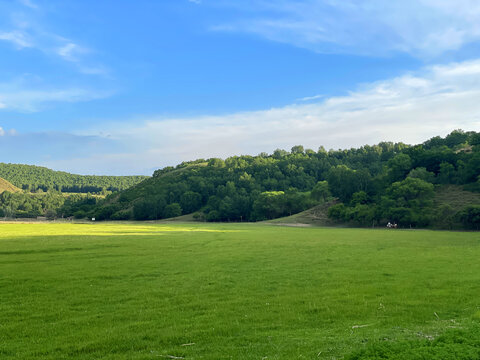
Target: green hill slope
{"points": [[33, 178], [6, 186], [455, 197], [448, 202]]}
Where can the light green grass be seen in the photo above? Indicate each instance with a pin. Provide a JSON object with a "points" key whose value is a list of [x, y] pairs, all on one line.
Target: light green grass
{"points": [[231, 291]]}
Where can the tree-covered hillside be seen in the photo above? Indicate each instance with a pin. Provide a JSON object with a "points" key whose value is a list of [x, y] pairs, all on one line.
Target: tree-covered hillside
{"points": [[33, 178], [372, 184]]}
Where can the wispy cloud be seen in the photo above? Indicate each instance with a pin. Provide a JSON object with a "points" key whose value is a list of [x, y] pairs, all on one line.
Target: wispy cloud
{"points": [[195, 1], [29, 3], [371, 27], [17, 38], [310, 98], [26, 31], [75, 54], [11, 132], [68, 51], [26, 95]]}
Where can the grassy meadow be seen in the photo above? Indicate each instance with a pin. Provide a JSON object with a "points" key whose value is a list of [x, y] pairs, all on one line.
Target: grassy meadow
{"points": [[235, 291]]}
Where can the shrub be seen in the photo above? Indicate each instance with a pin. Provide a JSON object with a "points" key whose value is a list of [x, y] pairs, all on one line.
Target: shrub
{"points": [[122, 215], [172, 210]]}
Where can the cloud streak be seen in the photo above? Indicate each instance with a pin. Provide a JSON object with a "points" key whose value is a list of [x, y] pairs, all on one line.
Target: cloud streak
{"points": [[25, 95], [29, 4], [17, 38], [26, 31], [422, 28], [310, 98]]}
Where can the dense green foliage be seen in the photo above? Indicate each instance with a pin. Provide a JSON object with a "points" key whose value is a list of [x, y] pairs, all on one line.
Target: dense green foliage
{"points": [[470, 216], [374, 184], [33, 178], [236, 291], [51, 204]]}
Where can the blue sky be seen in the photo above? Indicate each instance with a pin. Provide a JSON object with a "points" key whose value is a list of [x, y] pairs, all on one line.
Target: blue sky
{"points": [[123, 87]]}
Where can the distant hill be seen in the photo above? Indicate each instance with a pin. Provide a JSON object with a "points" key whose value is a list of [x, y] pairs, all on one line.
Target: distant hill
{"points": [[33, 178], [6, 186]]}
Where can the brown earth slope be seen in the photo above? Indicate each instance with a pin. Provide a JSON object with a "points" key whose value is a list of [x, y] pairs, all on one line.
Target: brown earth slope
{"points": [[6, 186], [316, 216]]}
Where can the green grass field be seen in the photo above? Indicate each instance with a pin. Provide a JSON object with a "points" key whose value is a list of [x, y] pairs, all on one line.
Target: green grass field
{"points": [[235, 291]]}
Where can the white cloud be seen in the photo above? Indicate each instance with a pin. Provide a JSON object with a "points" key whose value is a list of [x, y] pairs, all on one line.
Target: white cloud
{"points": [[370, 27], [11, 132], [74, 53], [411, 108], [68, 51], [19, 39], [27, 30], [195, 1], [310, 98], [25, 95], [29, 3]]}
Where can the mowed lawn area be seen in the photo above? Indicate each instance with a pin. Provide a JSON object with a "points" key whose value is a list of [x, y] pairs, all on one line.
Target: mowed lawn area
{"points": [[228, 291]]}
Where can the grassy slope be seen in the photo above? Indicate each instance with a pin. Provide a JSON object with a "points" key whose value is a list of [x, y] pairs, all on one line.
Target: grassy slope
{"points": [[6, 186], [448, 201], [456, 197], [315, 216], [231, 291]]}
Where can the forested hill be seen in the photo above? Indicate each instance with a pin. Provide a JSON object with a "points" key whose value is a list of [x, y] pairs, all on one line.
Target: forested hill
{"points": [[34, 178], [371, 184]]}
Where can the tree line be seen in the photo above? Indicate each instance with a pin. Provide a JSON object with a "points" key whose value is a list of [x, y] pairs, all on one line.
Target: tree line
{"points": [[371, 184], [50, 204]]}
